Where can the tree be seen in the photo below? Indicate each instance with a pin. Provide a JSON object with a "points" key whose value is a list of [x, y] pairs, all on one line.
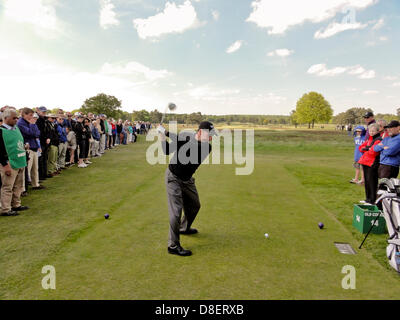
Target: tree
{"points": [[293, 118], [142, 115], [155, 116], [313, 108], [102, 104]]}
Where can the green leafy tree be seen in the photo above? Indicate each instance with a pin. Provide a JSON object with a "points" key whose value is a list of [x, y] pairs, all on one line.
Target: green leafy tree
{"points": [[102, 104], [313, 108], [142, 115]]}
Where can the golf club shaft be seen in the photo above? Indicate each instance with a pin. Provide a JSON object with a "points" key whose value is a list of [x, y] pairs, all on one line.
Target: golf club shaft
{"points": [[370, 229]]}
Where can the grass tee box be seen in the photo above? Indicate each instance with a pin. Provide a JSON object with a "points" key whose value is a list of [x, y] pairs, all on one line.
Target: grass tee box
{"points": [[365, 215]]}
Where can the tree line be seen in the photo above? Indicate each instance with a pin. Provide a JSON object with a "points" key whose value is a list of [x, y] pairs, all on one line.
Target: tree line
{"points": [[312, 108]]}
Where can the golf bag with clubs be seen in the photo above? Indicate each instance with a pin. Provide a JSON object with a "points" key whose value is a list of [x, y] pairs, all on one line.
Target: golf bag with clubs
{"points": [[389, 196]]}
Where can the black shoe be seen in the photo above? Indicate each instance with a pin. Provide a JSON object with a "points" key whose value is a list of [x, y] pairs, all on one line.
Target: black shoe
{"points": [[49, 176], [20, 208], [190, 231], [179, 251], [39, 188], [24, 194], [9, 214]]}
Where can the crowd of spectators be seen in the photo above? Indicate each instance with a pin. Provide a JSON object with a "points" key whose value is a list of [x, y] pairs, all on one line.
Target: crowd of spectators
{"points": [[376, 155], [36, 145]]}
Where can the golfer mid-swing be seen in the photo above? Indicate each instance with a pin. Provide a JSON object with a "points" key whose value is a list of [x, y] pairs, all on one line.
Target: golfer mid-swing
{"points": [[190, 150]]}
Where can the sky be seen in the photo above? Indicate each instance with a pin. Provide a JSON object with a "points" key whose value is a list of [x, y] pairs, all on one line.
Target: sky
{"points": [[209, 56]]}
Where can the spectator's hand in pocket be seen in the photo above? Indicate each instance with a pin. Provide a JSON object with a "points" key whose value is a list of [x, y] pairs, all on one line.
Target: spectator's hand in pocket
{"points": [[7, 170]]}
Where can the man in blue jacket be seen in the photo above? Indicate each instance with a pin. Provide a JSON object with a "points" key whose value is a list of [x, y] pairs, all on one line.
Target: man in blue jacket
{"points": [[30, 132], [62, 147], [390, 152]]}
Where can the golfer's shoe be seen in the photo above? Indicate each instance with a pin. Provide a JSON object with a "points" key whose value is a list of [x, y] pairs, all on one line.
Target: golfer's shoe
{"points": [[20, 208], [179, 251], [190, 231], [9, 214]]}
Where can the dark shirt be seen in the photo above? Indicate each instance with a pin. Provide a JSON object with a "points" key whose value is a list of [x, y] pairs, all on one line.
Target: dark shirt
{"points": [[119, 128], [30, 132], [3, 151], [184, 165]]}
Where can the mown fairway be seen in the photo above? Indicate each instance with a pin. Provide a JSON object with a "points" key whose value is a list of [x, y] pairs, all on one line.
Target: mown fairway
{"points": [[300, 179]]}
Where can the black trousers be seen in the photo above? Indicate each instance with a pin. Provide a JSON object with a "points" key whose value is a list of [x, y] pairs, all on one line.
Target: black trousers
{"points": [[386, 171], [371, 182], [43, 163]]}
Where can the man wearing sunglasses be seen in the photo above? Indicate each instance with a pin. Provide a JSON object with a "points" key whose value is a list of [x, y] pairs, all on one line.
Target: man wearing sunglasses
{"points": [[12, 164]]}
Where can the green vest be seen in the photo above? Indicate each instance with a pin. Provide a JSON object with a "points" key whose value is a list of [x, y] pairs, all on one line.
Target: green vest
{"points": [[106, 126], [14, 143]]}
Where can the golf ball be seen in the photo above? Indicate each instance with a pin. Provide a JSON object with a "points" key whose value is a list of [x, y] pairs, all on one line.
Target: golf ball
{"points": [[321, 225], [266, 235], [106, 216]]}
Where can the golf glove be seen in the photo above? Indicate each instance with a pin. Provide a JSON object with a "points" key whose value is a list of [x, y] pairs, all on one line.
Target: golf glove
{"points": [[161, 129]]}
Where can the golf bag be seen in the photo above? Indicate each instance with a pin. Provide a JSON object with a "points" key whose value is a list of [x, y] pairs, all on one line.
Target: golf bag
{"points": [[389, 196]]}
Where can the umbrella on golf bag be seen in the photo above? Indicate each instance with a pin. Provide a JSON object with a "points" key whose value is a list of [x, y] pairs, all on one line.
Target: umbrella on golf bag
{"points": [[389, 191]]}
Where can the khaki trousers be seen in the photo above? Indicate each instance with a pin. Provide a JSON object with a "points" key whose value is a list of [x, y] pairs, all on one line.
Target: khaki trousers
{"points": [[62, 152], [11, 189], [33, 168]]}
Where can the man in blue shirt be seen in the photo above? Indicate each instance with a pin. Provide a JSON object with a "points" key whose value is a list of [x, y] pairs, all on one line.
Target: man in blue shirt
{"points": [[390, 152]]}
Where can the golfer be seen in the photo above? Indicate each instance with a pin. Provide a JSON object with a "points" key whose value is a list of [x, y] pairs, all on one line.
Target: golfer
{"points": [[190, 150]]}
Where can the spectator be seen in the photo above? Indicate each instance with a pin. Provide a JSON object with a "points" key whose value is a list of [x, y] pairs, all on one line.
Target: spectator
{"points": [[102, 134], [382, 128], [369, 119], [63, 145], [12, 164], [71, 139], [370, 163], [96, 137], [89, 139], [52, 167], [81, 133], [30, 132], [114, 132], [359, 139], [390, 152], [120, 136], [44, 138]]}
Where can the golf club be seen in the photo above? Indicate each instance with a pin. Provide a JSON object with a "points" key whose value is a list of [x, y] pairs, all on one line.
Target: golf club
{"points": [[171, 107]]}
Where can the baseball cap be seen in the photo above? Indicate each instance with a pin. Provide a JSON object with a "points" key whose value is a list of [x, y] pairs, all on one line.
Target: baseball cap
{"points": [[393, 124], [369, 114], [208, 126], [42, 109]]}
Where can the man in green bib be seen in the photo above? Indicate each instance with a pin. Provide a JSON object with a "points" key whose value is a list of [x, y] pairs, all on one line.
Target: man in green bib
{"points": [[12, 164]]}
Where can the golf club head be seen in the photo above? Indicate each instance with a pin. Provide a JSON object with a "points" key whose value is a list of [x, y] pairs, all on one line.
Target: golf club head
{"points": [[171, 106]]}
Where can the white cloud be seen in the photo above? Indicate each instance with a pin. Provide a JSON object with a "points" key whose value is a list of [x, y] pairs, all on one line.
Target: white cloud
{"points": [[371, 74], [396, 84], [215, 15], [44, 83], [174, 19], [280, 53], [322, 70], [108, 16], [390, 78], [235, 46], [134, 70], [279, 16], [379, 24], [368, 92], [40, 14], [335, 28]]}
